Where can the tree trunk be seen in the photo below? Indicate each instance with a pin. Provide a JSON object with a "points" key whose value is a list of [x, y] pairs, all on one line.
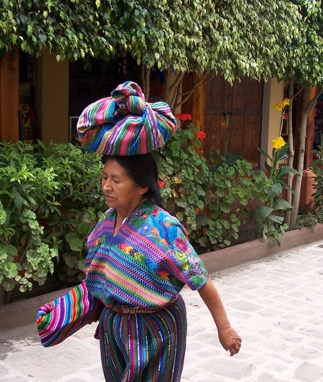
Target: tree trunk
{"points": [[308, 104], [310, 132], [173, 94], [301, 154], [291, 153], [145, 81]]}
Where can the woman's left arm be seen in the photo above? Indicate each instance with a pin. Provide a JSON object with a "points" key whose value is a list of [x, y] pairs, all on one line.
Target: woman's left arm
{"points": [[228, 337]]}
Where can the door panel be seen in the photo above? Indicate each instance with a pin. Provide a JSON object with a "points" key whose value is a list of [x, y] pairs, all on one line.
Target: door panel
{"points": [[243, 103]]}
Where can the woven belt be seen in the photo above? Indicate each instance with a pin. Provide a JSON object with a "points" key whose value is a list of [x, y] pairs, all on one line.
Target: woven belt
{"points": [[126, 309]]}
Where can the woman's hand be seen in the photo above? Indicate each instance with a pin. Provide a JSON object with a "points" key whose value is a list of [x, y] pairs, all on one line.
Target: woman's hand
{"points": [[230, 340], [228, 337]]}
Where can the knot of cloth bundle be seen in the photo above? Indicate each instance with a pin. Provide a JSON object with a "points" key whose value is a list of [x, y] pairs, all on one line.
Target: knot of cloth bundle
{"points": [[125, 124]]}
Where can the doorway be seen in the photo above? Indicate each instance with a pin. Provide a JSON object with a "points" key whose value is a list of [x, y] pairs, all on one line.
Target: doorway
{"points": [[95, 79], [233, 117]]}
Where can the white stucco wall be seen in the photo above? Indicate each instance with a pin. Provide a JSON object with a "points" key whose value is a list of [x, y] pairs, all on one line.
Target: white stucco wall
{"points": [[273, 94]]}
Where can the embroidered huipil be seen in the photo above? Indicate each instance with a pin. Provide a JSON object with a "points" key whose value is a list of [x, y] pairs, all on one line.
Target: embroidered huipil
{"points": [[146, 264]]}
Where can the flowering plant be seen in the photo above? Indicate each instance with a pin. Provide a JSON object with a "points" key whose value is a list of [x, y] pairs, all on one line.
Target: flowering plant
{"points": [[183, 173], [183, 117], [270, 216], [200, 135], [210, 200], [278, 143], [281, 105]]}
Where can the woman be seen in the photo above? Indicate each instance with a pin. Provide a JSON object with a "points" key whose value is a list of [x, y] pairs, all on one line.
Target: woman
{"points": [[139, 257]]}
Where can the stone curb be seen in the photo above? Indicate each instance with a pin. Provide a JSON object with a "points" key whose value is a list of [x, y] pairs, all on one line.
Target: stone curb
{"points": [[259, 248], [22, 313]]}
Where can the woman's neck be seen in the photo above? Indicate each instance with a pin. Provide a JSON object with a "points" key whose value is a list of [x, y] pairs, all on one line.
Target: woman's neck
{"points": [[122, 214], [121, 217]]}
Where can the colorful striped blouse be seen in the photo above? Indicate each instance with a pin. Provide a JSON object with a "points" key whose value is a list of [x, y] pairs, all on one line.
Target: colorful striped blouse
{"points": [[146, 264]]}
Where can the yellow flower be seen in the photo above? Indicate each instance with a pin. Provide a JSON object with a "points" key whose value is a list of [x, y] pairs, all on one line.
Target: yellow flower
{"points": [[286, 102], [278, 143], [280, 106]]}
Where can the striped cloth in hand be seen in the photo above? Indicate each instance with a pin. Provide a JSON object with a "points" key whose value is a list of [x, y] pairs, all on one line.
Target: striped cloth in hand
{"points": [[60, 318]]}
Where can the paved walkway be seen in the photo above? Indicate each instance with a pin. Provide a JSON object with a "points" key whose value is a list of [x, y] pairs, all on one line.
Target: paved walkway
{"points": [[276, 305]]}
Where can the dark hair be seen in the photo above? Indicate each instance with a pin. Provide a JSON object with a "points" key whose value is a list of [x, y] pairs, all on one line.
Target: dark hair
{"points": [[143, 169]]}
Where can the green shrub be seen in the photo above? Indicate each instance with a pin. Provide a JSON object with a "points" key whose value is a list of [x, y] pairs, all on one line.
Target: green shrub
{"points": [[25, 189], [232, 189], [184, 174], [81, 203], [50, 198], [210, 197]]}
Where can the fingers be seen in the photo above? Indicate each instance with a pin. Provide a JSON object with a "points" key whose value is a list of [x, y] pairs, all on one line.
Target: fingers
{"points": [[236, 345], [230, 341]]}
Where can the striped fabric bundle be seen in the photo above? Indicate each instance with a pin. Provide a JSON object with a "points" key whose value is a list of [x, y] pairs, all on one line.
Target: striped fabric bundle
{"points": [[124, 124], [59, 319]]}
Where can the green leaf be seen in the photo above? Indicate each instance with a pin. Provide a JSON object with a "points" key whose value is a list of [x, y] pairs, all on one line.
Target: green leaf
{"points": [[203, 241], [11, 270], [276, 189], [284, 171], [84, 228], [262, 213], [282, 151], [225, 208], [201, 219], [8, 285], [76, 244], [264, 153], [18, 199], [281, 204], [276, 219]]}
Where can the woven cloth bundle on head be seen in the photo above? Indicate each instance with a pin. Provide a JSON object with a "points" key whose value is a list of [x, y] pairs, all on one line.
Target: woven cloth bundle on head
{"points": [[124, 124]]}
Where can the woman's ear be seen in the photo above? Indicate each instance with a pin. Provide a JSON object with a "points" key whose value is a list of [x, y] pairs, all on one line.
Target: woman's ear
{"points": [[143, 190]]}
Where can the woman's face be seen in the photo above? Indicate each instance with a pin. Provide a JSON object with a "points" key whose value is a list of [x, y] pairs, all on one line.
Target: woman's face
{"points": [[120, 191]]}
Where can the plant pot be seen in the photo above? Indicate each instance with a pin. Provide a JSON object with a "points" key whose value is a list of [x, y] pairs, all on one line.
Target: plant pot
{"points": [[307, 188]]}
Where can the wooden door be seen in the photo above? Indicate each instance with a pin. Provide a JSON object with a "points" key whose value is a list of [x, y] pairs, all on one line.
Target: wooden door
{"points": [[9, 97], [242, 103]]}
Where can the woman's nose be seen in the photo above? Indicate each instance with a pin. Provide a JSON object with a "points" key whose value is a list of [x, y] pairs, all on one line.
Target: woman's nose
{"points": [[106, 184]]}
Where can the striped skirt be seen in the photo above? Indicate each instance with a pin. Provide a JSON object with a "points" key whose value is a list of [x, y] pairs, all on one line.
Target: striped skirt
{"points": [[148, 347]]}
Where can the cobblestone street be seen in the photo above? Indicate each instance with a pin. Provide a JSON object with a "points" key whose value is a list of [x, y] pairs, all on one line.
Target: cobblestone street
{"points": [[274, 303]]}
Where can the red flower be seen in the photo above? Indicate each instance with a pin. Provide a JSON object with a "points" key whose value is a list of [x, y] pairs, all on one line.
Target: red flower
{"points": [[183, 117], [200, 135], [161, 183]]}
